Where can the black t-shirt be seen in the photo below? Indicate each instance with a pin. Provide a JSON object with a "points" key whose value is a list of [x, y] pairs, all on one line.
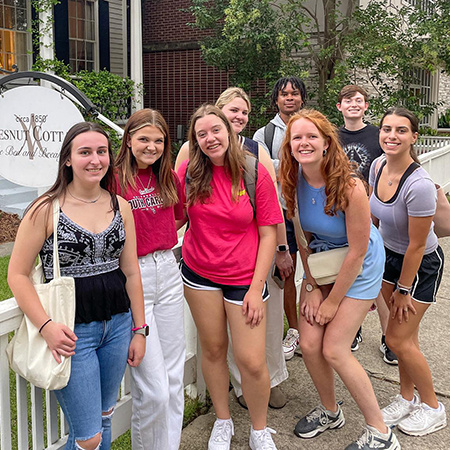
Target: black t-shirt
{"points": [[361, 146]]}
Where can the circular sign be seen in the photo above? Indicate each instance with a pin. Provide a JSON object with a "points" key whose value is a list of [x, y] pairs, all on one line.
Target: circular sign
{"points": [[33, 124]]}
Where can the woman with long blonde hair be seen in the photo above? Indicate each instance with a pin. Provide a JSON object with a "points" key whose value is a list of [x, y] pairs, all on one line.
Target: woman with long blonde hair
{"points": [[334, 212]]}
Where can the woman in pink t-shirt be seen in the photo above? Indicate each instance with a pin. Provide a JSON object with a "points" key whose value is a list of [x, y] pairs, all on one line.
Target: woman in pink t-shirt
{"points": [[227, 252], [146, 180]]}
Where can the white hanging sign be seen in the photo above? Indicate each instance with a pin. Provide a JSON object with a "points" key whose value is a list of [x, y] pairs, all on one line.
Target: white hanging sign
{"points": [[33, 123]]}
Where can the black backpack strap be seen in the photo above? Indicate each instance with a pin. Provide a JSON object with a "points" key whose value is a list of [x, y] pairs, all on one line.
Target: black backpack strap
{"points": [[250, 179], [269, 131]]}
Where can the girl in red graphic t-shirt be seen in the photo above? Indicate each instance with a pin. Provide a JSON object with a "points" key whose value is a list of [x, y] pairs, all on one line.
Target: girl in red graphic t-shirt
{"points": [[146, 180], [227, 252]]}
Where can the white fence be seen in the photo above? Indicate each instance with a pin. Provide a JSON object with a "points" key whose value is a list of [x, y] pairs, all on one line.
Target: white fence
{"points": [[427, 144], [49, 432]]}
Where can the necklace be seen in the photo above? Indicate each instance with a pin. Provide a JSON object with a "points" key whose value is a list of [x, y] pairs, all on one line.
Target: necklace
{"points": [[84, 201], [148, 189]]}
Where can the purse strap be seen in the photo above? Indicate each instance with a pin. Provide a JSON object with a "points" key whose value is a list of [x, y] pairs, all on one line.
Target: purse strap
{"points": [[56, 269], [299, 234]]}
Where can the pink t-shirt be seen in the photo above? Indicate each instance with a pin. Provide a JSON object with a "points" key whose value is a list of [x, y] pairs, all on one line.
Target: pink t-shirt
{"points": [[222, 240], [155, 223]]}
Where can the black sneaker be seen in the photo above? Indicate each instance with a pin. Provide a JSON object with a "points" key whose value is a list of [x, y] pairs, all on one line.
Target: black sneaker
{"points": [[358, 339], [372, 439], [388, 355], [317, 421]]}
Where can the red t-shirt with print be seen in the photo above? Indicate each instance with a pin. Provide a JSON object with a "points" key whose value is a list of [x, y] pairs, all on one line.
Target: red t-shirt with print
{"points": [[222, 240], [155, 222]]}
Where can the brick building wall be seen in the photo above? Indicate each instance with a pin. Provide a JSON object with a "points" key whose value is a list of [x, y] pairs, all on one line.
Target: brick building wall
{"points": [[176, 80]]}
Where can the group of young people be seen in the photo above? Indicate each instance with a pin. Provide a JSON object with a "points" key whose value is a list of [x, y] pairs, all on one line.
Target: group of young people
{"points": [[119, 220]]}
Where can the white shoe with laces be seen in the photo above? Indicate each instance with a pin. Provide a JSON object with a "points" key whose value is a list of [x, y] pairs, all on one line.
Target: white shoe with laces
{"points": [[399, 409], [290, 343], [424, 420], [221, 434], [262, 439]]}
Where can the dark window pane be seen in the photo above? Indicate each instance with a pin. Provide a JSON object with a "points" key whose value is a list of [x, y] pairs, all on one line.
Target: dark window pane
{"points": [[72, 28], [80, 9], [9, 17], [2, 25], [72, 8], [89, 11], [90, 31], [90, 66], [81, 65], [73, 66], [21, 19], [21, 3], [81, 31], [81, 51], [72, 50], [89, 50]]}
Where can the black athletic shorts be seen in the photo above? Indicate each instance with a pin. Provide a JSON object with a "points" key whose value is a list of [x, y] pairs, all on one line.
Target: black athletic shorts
{"points": [[231, 294], [428, 278]]}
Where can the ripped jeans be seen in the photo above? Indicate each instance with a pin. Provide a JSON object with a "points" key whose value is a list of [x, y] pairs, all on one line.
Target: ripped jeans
{"points": [[97, 369]]}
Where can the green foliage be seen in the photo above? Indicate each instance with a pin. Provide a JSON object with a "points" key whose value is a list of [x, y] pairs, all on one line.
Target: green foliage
{"points": [[375, 46], [5, 292], [444, 119]]}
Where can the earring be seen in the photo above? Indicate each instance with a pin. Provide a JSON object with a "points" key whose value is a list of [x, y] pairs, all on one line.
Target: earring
{"points": [[292, 153], [324, 152]]}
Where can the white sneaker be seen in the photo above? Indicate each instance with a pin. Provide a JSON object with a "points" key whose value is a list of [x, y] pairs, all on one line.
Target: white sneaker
{"points": [[290, 343], [221, 434], [424, 420], [262, 439], [399, 409]]}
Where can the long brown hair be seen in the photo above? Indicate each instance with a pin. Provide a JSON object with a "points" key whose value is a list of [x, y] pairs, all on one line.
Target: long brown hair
{"points": [[335, 168], [200, 166], [65, 173], [413, 120], [127, 166]]}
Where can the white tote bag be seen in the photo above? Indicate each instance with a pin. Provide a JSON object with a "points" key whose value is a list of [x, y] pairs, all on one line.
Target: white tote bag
{"points": [[28, 353]]}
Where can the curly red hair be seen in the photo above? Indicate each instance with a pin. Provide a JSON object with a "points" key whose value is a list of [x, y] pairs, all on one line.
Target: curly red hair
{"points": [[336, 169]]}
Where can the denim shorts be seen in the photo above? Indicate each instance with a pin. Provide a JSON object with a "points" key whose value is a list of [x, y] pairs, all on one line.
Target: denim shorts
{"points": [[97, 369], [428, 277], [231, 294]]}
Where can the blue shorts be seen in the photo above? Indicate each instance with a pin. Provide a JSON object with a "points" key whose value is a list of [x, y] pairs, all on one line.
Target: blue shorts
{"points": [[231, 294]]}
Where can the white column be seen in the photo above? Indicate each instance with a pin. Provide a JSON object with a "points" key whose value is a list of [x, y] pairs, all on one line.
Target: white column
{"points": [[136, 70], [46, 49]]}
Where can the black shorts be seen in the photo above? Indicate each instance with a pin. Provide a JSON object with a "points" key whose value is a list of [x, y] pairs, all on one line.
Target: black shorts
{"points": [[290, 234], [428, 278], [231, 294]]}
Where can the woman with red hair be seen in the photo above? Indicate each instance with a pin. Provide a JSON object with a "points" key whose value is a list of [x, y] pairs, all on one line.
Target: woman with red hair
{"points": [[317, 179]]}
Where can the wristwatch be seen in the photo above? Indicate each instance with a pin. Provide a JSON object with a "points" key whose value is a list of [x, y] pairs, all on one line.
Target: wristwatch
{"points": [[310, 287], [282, 248], [144, 330], [403, 291]]}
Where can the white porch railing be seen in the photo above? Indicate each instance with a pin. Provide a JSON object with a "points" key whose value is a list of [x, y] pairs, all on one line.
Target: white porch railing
{"points": [[427, 144], [49, 432]]}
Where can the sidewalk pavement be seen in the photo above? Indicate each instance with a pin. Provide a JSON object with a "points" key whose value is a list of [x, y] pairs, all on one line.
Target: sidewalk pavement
{"points": [[302, 396]]}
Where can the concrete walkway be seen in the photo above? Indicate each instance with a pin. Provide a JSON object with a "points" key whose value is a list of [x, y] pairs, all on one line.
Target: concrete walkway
{"points": [[302, 396]]}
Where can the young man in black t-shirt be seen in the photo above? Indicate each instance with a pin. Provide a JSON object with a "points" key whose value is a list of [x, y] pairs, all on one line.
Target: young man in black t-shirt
{"points": [[361, 144]]}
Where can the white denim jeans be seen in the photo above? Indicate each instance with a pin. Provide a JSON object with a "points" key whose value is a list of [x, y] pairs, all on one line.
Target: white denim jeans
{"points": [[157, 383], [274, 341]]}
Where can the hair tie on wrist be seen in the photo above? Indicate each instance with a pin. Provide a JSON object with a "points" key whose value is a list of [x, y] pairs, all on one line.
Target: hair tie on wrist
{"points": [[43, 325]]}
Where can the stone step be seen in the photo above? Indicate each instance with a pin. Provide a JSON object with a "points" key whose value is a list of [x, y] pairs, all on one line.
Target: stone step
{"points": [[14, 198]]}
